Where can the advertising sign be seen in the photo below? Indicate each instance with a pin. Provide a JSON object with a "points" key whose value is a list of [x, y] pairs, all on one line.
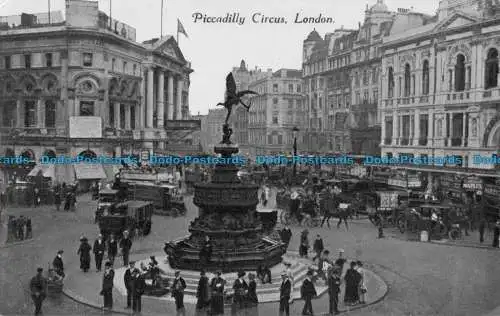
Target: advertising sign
{"points": [[85, 127], [388, 200]]}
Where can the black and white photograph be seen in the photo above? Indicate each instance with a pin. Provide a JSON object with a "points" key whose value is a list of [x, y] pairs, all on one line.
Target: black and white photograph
{"points": [[237, 157]]}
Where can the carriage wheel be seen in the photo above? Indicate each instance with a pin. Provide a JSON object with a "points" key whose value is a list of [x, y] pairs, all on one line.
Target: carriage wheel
{"points": [[454, 234]]}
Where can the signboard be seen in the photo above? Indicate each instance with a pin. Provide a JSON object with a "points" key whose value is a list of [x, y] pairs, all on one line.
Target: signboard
{"points": [[473, 183], [388, 200], [397, 182], [414, 182], [492, 191], [451, 182], [184, 125], [85, 127]]}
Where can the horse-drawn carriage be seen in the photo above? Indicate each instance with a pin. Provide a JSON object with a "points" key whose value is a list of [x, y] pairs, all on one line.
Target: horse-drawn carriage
{"points": [[128, 216]]}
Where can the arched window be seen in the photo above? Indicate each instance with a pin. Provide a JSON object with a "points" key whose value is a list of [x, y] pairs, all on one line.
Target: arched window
{"points": [[390, 83], [460, 73], [50, 114], [425, 78], [88, 154], [491, 69], [407, 90]]}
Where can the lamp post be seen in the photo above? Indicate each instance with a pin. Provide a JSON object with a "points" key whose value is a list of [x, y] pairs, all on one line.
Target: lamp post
{"points": [[295, 130]]}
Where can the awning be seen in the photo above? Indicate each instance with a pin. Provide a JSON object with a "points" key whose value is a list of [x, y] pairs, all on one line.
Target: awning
{"points": [[89, 172], [48, 171]]}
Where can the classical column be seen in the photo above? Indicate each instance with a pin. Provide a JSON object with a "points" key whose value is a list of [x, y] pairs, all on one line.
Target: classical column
{"points": [[20, 113], [394, 128], [149, 111], [170, 101], [117, 115], [450, 128], [178, 105], [430, 135], [160, 106], [142, 106], [39, 114], [464, 124], [138, 116], [383, 130], [128, 116], [416, 138]]}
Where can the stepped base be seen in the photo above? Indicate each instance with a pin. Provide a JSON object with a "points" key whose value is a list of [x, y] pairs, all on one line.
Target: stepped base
{"points": [[185, 256], [265, 292]]}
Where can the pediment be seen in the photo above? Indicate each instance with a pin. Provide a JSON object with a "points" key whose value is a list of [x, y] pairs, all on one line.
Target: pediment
{"points": [[457, 19], [169, 47]]}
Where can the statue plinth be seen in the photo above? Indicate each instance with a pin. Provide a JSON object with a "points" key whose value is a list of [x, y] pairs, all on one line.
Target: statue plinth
{"points": [[228, 217]]}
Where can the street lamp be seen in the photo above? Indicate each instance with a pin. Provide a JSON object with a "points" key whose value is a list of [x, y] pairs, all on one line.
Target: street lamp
{"points": [[295, 130]]}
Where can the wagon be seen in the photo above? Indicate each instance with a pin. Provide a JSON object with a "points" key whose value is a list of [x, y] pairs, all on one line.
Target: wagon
{"points": [[127, 216], [166, 198]]}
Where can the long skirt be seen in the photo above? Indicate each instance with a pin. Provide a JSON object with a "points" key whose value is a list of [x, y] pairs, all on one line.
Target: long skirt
{"points": [[85, 261], [217, 305]]}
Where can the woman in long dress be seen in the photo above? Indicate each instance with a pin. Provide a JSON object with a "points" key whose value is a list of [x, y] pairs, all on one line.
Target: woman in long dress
{"points": [[217, 299], [84, 252], [352, 279]]}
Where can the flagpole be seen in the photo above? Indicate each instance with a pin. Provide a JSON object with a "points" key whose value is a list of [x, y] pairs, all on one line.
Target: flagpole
{"points": [[48, 2], [110, 8], [161, 31]]}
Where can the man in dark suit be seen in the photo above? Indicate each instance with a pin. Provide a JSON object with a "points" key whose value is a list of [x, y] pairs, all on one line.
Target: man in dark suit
{"points": [[38, 287], [139, 286], [286, 235], [129, 280], [308, 292], [178, 288], [107, 286], [99, 248], [285, 292], [58, 264], [125, 245], [333, 282]]}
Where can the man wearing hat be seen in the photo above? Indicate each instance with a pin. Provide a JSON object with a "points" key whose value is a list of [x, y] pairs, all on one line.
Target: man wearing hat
{"points": [[84, 252], [99, 248], [333, 282], [178, 288], [58, 264], [139, 286], [240, 288], [308, 292], [38, 287], [125, 245], [129, 282], [285, 293], [107, 286]]}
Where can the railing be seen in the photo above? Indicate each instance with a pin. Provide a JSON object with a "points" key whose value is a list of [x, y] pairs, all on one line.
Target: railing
{"points": [[405, 141]]}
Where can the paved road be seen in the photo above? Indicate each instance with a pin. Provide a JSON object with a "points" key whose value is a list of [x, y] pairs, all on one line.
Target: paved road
{"points": [[424, 279]]}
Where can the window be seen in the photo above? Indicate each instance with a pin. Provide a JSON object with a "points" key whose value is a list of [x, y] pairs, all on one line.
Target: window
{"points": [[132, 116], [30, 114], [9, 114], [48, 60], [50, 114], [275, 101], [491, 69], [460, 73], [365, 78], [86, 108], [280, 139], [134, 69], [275, 119], [27, 61], [390, 83], [290, 88], [87, 59], [407, 90], [125, 67], [298, 88], [290, 104], [113, 64], [358, 97], [356, 79], [122, 116], [425, 78], [365, 97], [269, 139], [111, 114], [275, 88], [298, 104], [375, 96], [374, 75]]}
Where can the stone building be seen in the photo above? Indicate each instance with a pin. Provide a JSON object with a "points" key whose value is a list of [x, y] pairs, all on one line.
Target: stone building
{"points": [[212, 130], [239, 119], [85, 86], [440, 91], [275, 111]]}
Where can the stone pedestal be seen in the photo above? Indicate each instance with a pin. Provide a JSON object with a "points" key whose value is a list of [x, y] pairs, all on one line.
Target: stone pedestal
{"points": [[228, 217]]}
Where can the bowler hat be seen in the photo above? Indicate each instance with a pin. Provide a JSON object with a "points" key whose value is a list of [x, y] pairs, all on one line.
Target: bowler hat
{"points": [[60, 251]]}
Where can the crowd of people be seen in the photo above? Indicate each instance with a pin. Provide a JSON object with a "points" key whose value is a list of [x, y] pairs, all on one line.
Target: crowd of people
{"points": [[19, 228]]}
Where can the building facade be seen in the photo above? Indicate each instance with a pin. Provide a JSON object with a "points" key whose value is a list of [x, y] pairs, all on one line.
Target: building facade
{"points": [[85, 86], [440, 87], [239, 118], [277, 109], [212, 130]]}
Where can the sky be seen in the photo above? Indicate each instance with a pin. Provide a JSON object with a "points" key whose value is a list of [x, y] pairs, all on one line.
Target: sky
{"points": [[215, 48]]}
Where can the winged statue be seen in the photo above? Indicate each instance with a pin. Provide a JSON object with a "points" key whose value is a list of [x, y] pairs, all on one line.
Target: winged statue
{"points": [[233, 97]]}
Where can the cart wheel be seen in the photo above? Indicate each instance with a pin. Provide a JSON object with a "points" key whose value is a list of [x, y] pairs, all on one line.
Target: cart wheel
{"points": [[454, 234]]}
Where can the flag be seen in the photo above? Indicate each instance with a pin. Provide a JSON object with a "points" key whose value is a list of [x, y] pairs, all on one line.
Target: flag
{"points": [[180, 28]]}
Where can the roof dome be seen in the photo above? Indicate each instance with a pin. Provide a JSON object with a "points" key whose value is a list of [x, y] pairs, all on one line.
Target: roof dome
{"points": [[379, 7], [313, 36]]}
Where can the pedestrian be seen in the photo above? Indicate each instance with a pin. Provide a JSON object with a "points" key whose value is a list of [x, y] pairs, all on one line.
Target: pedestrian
{"points": [[324, 264], [58, 264], [125, 245], [343, 215], [329, 209], [318, 247], [341, 260], [362, 285], [36, 197], [57, 198], [240, 288], [11, 229], [304, 244], [21, 223], [99, 248], [352, 279], [138, 287], [73, 200], [29, 228], [107, 286], [178, 287], [128, 280], [252, 298], [203, 292], [308, 292], [112, 248], [286, 235], [84, 252], [334, 282], [217, 299], [285, 293], [67, 200], [496, 235], [38, 287]]}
